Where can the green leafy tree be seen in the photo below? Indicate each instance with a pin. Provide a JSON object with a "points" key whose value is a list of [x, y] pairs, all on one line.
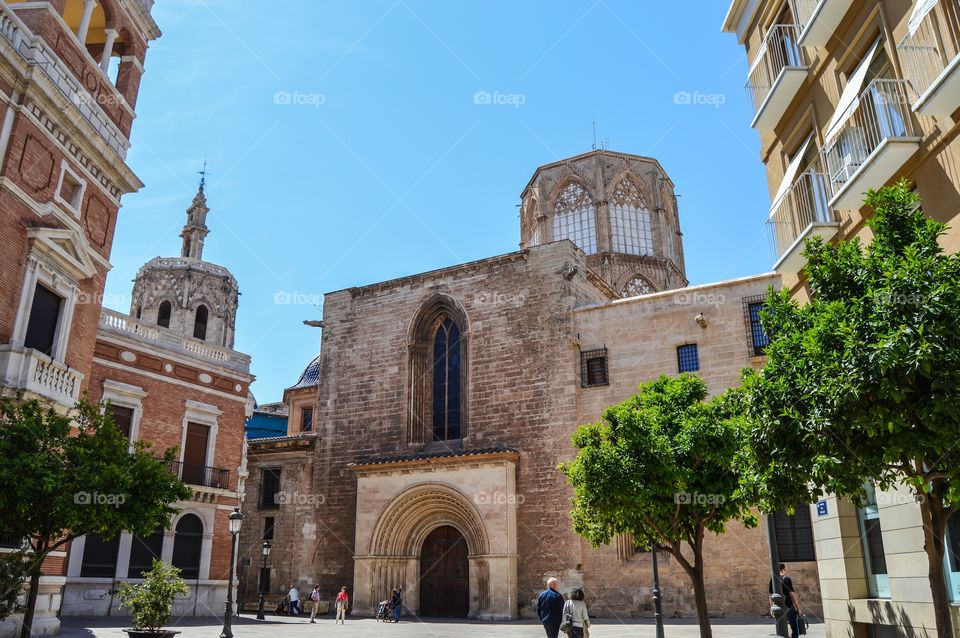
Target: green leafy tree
{"points": [[862, 382], [151, 602], [659, 467], [13, 574], [65, 476]]}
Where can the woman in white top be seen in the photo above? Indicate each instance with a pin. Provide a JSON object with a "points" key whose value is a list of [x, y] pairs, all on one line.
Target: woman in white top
{"points": [[578, 610]]}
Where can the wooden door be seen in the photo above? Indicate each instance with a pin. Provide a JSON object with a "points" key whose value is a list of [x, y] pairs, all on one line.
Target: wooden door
{"points": [[444, 574], [195, 453]]}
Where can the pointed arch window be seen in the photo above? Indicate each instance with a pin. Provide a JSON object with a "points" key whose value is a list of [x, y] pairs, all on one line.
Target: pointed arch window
{"points": [[630, 220], [200, 322], [574, 218], [163, 315], [446, 382]]}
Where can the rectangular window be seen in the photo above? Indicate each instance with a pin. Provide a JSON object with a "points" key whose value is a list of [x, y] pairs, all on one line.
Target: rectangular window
{"points": [[268, 524], [757, 338], [143, 551], [269, 487], [44, 317], [123, 417], [871, 540], [794, 535], [688, 359], [593, 368], [306, 419], [100, 556]]}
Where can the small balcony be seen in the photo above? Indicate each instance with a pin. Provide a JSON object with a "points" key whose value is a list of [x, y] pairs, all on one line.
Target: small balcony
{"points": [[818, 19], [930, 57], [871, 143], [801, 213], [201, 475], [27, 370], [775, 76]]}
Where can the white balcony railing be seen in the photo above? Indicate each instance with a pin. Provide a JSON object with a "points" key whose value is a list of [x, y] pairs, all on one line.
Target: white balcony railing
{"points": [[27, 370], [929, 55], [38, 54], [775, 75], [818, 19], [872, 142], [112, 322], [801, 210]]}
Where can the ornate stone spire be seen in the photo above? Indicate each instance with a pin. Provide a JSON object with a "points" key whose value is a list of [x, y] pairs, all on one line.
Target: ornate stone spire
{"points": [[195, 230]]}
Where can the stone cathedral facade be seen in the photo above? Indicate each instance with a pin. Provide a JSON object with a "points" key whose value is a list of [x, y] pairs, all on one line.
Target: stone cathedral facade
{"points": [[445, 401]]}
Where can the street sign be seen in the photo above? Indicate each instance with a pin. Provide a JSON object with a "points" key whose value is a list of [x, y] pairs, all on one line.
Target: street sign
{"points": [[822, 508], [245, 561]]}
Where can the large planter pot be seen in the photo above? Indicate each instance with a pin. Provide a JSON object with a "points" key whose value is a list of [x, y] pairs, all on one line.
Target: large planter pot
{"points": [[143, 633]]}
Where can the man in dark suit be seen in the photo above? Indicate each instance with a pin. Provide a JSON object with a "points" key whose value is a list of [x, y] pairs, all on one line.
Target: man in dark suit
{"points": [[550, 608]]}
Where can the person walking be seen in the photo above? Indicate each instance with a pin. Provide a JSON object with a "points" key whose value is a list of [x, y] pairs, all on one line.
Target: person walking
{"points": [[342, 603], [550, 608], [396, 601], [577, 609], [315, 602], [294, 596], [791, 599]]}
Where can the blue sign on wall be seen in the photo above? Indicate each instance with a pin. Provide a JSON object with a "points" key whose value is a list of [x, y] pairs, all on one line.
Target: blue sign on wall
{"points": [[821, 508]]}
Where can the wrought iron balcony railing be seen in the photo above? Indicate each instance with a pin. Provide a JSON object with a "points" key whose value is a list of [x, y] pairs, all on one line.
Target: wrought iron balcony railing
{"points": [[880, 113], [201, 475], [931, 48], [779, 51], [805, 204]]}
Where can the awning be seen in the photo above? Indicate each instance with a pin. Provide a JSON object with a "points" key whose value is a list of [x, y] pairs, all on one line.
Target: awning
{"points": [[761, 52], [851, 92], [920, 11], [791, 174]]}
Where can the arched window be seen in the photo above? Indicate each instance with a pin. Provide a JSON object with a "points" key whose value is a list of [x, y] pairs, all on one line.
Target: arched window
{"points": [[574, 218], [187, 545], [200, 323], [163, 315], [630, 220], [446, 382], [439, 340]]}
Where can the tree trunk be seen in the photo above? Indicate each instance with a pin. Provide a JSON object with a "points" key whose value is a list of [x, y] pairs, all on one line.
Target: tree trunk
{"points": [[26, 630], [700, 595], [934, 520]]}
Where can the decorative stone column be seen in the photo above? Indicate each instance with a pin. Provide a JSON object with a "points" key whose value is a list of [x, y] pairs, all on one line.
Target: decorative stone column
{"points": [[84, 28], [107, 49]]}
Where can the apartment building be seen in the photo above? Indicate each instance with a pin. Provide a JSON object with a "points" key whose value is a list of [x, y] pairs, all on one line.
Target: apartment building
{"points": [[850, 95]]}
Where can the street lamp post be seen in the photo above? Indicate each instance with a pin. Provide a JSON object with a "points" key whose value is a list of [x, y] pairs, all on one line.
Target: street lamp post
{"points": [[657, 603], [236, 519], [266, 552], [777, 610]]}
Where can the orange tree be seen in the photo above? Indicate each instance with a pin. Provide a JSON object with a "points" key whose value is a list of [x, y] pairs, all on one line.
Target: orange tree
{"points": [[65, 476]]}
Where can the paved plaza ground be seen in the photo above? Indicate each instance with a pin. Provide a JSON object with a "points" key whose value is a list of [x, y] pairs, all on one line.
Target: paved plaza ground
{"points": [[282, 627]]}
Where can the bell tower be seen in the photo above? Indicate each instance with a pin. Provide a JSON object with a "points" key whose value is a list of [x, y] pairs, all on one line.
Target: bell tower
{"points": [[619, 209], [185, 294]]}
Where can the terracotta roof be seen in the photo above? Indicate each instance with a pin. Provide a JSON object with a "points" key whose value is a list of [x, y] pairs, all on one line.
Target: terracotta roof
{"points": [[443, 454]]}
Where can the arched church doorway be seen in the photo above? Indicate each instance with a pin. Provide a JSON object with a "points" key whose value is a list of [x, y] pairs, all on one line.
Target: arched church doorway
{"points": [[444, 574]]}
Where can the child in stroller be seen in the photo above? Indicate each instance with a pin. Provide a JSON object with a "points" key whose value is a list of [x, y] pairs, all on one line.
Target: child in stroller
{"points": [[385, 611]]}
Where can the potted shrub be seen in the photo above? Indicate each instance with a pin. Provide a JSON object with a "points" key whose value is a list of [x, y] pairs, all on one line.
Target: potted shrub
{"points": [[151, 602]]}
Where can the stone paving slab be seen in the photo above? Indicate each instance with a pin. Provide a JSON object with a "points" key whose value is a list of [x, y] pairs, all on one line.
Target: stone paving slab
{"points": [[284, 627]]}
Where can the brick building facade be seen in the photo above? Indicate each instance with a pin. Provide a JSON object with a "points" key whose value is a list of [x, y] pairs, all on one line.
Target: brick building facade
{"points": [[69, 77], [447, 399], [172, 378]]}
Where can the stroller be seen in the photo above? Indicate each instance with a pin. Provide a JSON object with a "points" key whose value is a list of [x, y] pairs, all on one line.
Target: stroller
{"points": [[385, 611]]}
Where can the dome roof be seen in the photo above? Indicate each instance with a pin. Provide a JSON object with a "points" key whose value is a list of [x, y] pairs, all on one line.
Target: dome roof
{"points": [[310, 376]]}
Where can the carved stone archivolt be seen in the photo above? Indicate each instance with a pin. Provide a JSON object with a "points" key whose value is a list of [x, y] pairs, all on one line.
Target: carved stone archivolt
{"points": [[411, 516]]}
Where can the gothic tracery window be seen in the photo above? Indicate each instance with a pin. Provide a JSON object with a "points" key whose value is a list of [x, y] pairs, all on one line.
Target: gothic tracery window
{"points": [[637, 285], [446, 382], [574, 218], [630, 220]]}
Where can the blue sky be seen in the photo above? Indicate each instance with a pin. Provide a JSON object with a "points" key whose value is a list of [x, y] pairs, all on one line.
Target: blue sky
{"points": [[345, 145]]}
